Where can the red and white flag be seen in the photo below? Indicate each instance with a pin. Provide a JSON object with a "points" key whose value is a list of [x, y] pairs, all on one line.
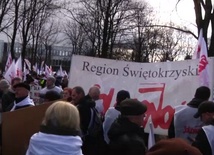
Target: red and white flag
{"points": [[203, 67], [19, 67], [196, 54], [9, 62], [11, 72]]}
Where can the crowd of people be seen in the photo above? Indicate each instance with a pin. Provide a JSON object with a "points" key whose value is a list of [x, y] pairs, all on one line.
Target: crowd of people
{"points": [[65, 127]]}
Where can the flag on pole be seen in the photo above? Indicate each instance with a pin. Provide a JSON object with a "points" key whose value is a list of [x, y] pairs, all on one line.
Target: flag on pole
{"points": [[151, 140], [203, 67], [9, 62], [60, 71], [19, 67], [201, 54], [11, 72], [196, 54], [47, 71]]}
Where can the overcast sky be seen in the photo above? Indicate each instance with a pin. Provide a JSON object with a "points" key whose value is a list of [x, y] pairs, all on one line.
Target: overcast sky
{"points": [[166, 11], [183, 14]]}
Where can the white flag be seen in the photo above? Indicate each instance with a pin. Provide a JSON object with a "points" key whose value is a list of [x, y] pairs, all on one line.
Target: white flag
{"points": [[60, 72], [9, 62], [197, 52], [203, 65], [11, 72], [47, 71], [19, 67], [201, 54], [151, 140]]}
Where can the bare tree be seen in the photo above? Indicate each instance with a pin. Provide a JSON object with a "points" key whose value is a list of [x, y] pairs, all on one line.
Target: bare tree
{"points": [[204, 13], [101, 20], [5, 20]]}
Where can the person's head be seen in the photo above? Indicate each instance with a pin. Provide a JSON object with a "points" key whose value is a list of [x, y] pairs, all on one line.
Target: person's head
{"points": [[15, 81], [206, 112], [62, 114], [21, 90], [202, 93], [94, 93], [4, 85], [122, 95], [67, 92], [52, 96], [77, 94], [50, 82], [174, 146], [134, 110]]}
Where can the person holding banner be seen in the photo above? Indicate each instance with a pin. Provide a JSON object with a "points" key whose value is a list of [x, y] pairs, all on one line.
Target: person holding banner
{"points": [[126, 133], [204, 141], [184, 124], [59, 133]]}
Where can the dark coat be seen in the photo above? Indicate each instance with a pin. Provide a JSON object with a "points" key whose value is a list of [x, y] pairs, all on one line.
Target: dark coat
{"points": [[84, 106], [201, 142], [7, 99], [91, 145], [126, 138]]}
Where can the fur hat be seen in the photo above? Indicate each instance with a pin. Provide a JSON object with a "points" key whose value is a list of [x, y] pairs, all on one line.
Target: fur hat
{"points": [[174, 146], [132, 107]]}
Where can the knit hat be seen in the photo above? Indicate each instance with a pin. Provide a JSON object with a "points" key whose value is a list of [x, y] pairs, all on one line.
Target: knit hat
{"points": [[122, 95], [174, 146], [23, 85], [4, 84], [206, 106], [132, 107]]}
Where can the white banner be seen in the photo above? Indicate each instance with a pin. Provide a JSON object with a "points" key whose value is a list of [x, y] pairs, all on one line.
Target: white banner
{"points": [[161, 86]]}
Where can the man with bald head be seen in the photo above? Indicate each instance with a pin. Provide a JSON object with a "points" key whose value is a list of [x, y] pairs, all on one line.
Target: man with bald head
{"points": [[94, 93], [50, 86]]}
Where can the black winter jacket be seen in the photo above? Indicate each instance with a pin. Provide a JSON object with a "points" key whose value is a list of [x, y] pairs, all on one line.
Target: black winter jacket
{"points": [[126, 138]]}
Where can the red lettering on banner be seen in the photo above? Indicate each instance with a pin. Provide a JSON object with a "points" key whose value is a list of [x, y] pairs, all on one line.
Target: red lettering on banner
{"points": [[158, 115], [161, 116], [107, 98]]}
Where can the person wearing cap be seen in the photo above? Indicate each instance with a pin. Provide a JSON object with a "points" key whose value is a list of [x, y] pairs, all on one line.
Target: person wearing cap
{"points": [[22, 98], [126, 134], [112, 113], [204, 141], [184, 125], [174, 146]]}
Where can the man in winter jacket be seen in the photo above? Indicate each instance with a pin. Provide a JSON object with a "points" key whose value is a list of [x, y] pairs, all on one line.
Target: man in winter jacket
{"points": [[126, 133]]}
